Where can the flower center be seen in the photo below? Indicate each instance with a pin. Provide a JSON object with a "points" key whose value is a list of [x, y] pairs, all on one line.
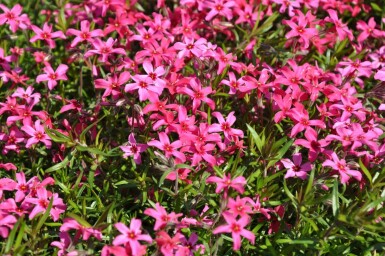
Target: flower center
{"points": [[45, 35]]}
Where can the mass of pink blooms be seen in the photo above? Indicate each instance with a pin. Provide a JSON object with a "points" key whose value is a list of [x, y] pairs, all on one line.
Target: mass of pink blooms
{"points": [[188, 84]]}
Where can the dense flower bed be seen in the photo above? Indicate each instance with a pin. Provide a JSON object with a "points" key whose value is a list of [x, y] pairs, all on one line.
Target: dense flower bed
{"points": [[215, 127]]}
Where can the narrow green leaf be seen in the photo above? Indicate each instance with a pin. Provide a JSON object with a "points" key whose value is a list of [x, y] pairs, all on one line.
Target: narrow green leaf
{"points": [[335, 200], [83, 134], [79, 219], [366, 171], [256, 138], [103, 217], [58, 166], [42, 219], [11, 237]]}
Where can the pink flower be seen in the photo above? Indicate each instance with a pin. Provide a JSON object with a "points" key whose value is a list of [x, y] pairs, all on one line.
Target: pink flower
{"points": [[37, 134], [342, 168], [220, 7], [225, 126], [6, 222], [46, 34], [198, 94], [169, 148], [131, 235], [6, 184], [295, 169], [240, 206], [133, 149], [161, 216], [342, 29], [65, 245], [84, 34], [42, 202], [189, 47], [8, 166], [225, 183], [236, 228], [113, 84], [144, 86], [53, 76], [87, 232], [300, 30], [169, 246], [104, 49], [368, 30], [13, 17]]}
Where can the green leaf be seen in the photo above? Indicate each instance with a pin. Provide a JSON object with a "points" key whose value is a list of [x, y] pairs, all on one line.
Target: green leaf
{"points": [[366, 172], [79, 219], [376, 7], [163, 177], [57, 136], [335, 200], [83, 134], [103, 217], [11, 237], [59, 166], [42, 219], [257, 140]]}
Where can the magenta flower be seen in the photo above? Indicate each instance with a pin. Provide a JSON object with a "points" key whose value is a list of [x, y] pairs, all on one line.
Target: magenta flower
{"points": [[112, 84], [225, 126], [104, 49], [311, 142], [220, 7], [6, 222], [144, 86], [368, 30], [84, 34], [189, 47], [170, 149], [240, 206], [198, 94], [226, 182], [300, 29], [13, 17], [295, 169], [342, 168], [133, 149], [65, 245], [236, 228], [342, 29], [131, 235], [46, 34], [162, 218], [87, 232], [42, 202], [37, 134], [6, 184], [53, 76]]}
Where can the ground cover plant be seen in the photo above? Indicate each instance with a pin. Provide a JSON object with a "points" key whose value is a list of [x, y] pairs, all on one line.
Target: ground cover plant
{"points": [[192, 127]]}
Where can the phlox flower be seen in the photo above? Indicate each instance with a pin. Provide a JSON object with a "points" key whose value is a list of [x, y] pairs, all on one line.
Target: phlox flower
{"points": [[53, 76], [162, 217], [236, 228], [341, 167], [42, 202], [13, 17], [295, 168], [226, 183], [37, 134], [86, 232], [6, 223], [133, 149], [131, 235], [46, 34]]}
